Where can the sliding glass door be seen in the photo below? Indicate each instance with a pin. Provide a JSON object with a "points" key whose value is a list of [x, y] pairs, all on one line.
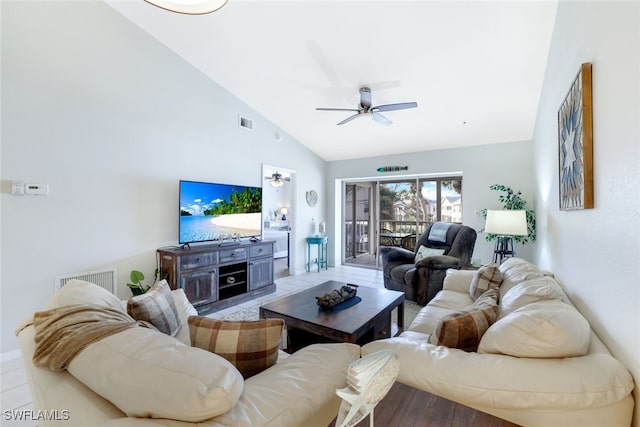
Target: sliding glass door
{"points": [[357, 220], [395, 213]]}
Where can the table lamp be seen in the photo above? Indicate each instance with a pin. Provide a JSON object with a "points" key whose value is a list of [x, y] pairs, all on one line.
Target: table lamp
{"points": [[505, 224]]}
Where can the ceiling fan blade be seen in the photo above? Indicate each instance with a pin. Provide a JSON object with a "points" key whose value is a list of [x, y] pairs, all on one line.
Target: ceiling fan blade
{"points": [[348, 119], [337, 109], [398, 106], [381, 119]]}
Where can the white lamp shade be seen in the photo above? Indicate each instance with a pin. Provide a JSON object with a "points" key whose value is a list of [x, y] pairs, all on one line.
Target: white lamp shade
{"points": [[506, 223], [189, 7]]}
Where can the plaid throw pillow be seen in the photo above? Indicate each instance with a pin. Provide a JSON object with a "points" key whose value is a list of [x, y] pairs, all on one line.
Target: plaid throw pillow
{"points": [[251, 346], [157, 307], [465, 328], [487, 277]]}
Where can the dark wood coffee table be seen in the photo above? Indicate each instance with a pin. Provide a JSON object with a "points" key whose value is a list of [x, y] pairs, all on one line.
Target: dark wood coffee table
{"points": [[364, 322]]}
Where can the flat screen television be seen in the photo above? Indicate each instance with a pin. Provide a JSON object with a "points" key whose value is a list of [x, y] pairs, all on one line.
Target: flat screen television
{"points": [[211, 211]]}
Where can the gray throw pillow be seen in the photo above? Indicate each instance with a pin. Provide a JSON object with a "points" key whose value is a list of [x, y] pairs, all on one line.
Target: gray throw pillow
{"points": [[157, 307]]}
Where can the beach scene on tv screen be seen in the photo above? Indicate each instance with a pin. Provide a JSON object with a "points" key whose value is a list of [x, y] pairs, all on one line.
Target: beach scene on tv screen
{"points": [[218, 211]]}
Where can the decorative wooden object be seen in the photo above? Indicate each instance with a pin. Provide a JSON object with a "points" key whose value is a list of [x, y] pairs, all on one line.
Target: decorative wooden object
{"points": [[336, 296]]}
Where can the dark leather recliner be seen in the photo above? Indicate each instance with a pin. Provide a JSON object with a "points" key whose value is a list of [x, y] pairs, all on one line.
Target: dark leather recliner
{"points": [[421, 281]]}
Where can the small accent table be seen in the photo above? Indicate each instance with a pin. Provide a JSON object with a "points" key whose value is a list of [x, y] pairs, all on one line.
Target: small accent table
{"points": [[323, 251]]}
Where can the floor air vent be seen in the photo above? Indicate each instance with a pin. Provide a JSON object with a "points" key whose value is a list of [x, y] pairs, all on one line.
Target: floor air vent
{"points": [[104, 278]]}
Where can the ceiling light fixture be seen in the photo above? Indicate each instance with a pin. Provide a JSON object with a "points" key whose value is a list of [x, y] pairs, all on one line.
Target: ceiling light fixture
{"points": [[189, 7], [276, 180]]}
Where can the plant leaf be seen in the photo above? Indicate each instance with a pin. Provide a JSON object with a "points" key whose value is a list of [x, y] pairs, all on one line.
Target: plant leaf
{"points": [[136, 276]]}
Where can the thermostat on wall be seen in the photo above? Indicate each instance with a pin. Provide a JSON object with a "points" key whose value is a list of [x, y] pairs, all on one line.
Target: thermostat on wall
{"points": [[36, 189]]}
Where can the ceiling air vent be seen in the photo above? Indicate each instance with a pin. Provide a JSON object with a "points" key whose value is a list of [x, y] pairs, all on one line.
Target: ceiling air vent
{"points": [[245, 123]]}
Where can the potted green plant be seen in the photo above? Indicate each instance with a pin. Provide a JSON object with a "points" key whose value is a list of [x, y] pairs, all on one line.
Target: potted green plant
{"points": [[512, 200], [136, 285]]}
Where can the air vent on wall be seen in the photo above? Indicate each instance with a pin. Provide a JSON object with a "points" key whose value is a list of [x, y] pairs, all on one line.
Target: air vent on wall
{"points": [[106, 279], [245, 123]]}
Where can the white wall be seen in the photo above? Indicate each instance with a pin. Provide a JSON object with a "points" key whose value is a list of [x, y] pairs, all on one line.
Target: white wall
{"points": [[111, 120], [595, 253], [481, 166]]}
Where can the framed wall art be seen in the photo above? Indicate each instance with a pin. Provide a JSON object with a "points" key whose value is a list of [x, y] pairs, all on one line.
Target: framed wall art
{"points": [[575, 144]]}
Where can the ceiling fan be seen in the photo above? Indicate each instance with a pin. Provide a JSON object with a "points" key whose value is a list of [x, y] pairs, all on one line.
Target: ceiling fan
{"points": [[276, 179], [365, 108]]}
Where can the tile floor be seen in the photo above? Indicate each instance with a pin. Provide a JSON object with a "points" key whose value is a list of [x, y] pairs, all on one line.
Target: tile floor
{"points": [[15, 395]]}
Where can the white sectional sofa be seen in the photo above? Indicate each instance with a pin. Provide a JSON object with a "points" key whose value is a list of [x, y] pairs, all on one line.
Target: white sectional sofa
{"points": [[539, 364], [146, 372]]}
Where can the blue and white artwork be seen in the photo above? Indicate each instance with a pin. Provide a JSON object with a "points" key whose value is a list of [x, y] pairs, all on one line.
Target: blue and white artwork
{"points": [[575, 144]]}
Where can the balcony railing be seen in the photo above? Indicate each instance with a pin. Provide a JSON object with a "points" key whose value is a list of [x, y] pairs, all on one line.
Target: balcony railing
{"points": [[406, 227], [361, 237]]}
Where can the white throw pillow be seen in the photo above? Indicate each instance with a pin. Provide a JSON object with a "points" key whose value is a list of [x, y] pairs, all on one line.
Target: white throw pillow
{"points": [[544, 329], [81, 292], [424, 252], [146, 373], [532, 290], [458, 280]]}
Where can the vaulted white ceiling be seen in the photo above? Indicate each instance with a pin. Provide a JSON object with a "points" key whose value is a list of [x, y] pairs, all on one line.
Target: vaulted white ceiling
{"points": [[475, 68]]}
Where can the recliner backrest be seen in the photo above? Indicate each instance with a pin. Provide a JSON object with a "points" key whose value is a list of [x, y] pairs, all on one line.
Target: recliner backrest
{"points": [[459, 243]]}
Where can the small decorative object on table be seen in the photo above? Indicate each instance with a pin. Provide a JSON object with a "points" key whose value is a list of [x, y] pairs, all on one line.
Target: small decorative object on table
{"points": [[336, 296]]}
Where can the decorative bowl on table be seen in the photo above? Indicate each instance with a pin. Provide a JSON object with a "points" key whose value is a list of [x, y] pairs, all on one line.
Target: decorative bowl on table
{"points": [[336, 296]]}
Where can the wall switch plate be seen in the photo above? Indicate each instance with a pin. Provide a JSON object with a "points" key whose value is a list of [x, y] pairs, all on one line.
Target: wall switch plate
{"points": [[17, 188]]}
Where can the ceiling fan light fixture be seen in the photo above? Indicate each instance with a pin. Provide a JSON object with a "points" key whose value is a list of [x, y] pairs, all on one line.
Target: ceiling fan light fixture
{"points": [[276, 180], [189, 7]]}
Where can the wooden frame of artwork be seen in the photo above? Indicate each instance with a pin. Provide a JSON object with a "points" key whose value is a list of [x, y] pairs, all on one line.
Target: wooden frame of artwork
{"points": [[575, 144]]}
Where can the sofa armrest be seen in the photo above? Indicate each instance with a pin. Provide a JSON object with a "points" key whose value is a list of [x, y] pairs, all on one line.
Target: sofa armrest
{"points": [[500, 381], [60, 391], [438, 262], [397, 255], [296, 390]]}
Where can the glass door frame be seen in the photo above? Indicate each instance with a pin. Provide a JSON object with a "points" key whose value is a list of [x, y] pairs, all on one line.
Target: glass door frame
{"points": [[374, 201], [353, 231]]}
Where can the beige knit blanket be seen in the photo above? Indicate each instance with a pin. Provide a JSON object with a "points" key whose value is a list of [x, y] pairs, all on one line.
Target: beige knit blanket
{"points": [[63, 332]]}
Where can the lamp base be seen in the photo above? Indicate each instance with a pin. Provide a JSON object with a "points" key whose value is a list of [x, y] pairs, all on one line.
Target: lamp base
{"points": [[504, 249]]}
